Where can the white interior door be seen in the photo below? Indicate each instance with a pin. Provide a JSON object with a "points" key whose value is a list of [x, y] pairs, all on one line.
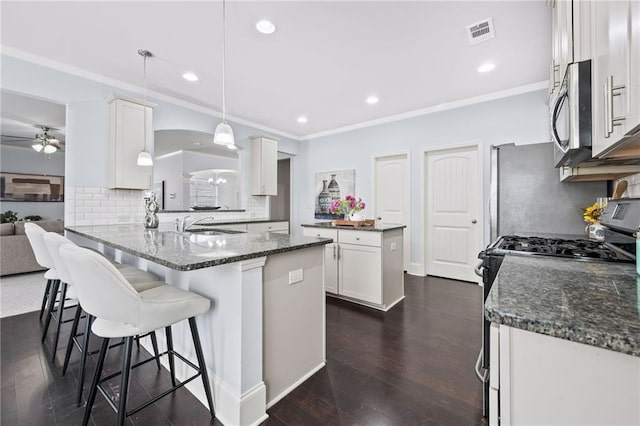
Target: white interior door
{"points": [[453, 212], [391, 199]]}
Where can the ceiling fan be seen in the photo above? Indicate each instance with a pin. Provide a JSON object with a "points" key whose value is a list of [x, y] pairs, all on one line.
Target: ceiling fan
{"points": [[43, 142]]}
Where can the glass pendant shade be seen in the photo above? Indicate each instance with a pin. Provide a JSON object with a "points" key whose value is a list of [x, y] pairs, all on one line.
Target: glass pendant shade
{"points": [[50, 149], [144, 159], [37, 146], [223, 134]]}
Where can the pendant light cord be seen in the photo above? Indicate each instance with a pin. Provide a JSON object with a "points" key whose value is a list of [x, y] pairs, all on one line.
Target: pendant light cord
{"points": [[224, 59], [144, 99]]}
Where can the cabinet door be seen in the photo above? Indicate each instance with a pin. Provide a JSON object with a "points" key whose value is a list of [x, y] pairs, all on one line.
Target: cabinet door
{"points": [[615, 73], [331, 268], [127, 140], [561, 42], [360, 272], [264, 163]]}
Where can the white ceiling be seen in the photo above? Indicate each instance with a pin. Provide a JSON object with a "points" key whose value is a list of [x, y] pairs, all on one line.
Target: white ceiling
{"points": [[323, 61]]}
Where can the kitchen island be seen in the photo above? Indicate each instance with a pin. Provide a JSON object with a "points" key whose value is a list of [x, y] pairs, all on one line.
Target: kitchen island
{"points": [[265, 331], [363, 264], [565, 342]]}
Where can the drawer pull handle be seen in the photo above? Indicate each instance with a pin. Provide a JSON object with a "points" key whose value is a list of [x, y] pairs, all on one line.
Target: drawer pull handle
{"points": [[357, 238]]}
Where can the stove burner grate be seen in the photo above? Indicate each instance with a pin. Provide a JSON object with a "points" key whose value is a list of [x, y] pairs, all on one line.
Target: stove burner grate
{"points": [[581, 249]]}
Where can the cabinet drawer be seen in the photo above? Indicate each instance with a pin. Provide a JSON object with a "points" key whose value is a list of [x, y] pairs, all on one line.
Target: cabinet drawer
{"points": [[366, 238], [268, 227], [319, 232]]}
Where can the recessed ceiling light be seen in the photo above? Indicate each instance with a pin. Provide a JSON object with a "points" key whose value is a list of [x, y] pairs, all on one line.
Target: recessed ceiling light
{"points": [[189, 76], [265, 27], [302, 119], [372, 100], [486, 67]]}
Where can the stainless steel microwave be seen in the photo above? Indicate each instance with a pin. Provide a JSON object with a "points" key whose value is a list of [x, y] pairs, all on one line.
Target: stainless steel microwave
{"points": [[571, 116]]}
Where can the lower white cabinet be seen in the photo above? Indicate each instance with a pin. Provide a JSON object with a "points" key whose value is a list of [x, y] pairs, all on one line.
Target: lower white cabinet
{"points": [[544, 380], [258, 227], [363, 266]]}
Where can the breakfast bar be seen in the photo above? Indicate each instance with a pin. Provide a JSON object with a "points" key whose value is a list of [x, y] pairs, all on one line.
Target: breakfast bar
{"points": [[265, 331]]}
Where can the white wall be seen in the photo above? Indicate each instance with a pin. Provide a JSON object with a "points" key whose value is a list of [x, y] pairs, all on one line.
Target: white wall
{"points": [[521, 119], [87, 134], [26, 160]]}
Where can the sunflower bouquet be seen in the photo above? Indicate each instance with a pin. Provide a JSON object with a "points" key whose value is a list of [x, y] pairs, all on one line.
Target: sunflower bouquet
{"points": [[592, 213]]}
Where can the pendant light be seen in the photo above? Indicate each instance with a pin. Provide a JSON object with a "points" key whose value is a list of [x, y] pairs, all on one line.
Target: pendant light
{"points": [[144, 158], [224, 134]]}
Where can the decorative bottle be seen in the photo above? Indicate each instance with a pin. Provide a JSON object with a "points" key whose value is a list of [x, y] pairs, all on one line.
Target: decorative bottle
{"points": [[324, 198], [334, 188]]}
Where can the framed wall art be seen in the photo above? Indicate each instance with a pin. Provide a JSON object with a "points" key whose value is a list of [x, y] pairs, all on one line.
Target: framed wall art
{"points": [[331, 186], [30, 187]]}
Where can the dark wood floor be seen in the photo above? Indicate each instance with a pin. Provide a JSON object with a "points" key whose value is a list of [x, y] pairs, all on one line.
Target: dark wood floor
{"points": [[412, 365]]}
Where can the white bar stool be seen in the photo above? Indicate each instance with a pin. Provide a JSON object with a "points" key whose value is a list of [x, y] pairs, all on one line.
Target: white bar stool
{"points": [[123, 312], [141, 280]]}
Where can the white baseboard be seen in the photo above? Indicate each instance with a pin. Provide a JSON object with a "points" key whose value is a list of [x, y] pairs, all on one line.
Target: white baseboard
{"points": [[285, 392], [394, 304]]}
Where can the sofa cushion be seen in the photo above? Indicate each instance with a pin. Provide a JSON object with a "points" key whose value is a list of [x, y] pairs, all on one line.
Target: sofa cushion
{"points": [[47, 225], [6, 229]]}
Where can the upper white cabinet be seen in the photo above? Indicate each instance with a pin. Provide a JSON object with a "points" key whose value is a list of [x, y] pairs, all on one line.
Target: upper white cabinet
{"points": [[126, 140], [570, 40], [264, 166], [616, 78]]}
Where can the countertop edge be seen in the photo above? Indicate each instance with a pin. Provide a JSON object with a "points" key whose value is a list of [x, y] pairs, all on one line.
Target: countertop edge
{"points": [[206, 263], [327, 225]]}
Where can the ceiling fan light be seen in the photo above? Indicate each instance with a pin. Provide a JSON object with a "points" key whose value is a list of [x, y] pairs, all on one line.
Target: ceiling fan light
{"points": [[144, 159], [37, 146], [223, 135], [50, 149]]}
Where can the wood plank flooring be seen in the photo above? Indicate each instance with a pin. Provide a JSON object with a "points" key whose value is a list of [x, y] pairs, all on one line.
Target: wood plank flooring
{"points": [[412, 365]]}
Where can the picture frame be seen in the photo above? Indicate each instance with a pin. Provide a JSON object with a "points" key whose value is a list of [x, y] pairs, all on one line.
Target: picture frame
{"points": [[330, 186], [28, 187]]}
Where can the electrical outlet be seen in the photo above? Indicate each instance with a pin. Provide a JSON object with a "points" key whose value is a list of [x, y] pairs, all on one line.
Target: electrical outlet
{"points": [[296, 276], [394, 247]]}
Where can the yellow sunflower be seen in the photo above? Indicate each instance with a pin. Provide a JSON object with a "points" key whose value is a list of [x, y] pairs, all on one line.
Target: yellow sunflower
{"points": [[592, 213]]}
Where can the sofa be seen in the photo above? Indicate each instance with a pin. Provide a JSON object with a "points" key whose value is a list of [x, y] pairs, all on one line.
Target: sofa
{"points": [[16, 255]]}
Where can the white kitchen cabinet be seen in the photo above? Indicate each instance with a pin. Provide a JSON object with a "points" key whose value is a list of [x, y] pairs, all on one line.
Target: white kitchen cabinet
{"points": [[616, 78], [126, 140], [363, 266], [597, 172], [571, 40], [547, 380], [264, 166], [258, 227]]}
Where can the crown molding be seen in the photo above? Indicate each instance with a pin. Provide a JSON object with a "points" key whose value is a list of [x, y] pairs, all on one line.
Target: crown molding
{"points": [[534, 87]]}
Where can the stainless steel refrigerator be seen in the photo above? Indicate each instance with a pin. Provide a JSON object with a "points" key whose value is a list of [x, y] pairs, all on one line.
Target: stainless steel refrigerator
{"points": [[528, 197]]}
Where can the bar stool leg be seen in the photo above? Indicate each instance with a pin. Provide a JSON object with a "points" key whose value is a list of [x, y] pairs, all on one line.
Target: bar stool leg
{"points": [[172, 366], [96, 380], [53, 291], [202, 364], [83, 362], [154, 343], [63, 296], [45, 297], [74, 331], [124, 385]]}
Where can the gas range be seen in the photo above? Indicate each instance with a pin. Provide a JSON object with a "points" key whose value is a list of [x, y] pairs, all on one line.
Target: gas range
{"points": [[580, 249]]}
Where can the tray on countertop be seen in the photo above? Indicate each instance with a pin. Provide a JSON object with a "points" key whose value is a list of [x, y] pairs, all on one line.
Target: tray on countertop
{"points": [[353, 223]]}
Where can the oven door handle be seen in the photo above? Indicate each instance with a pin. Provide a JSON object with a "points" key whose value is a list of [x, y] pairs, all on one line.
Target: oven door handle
{"points": [[482, 376], [478, 269]]}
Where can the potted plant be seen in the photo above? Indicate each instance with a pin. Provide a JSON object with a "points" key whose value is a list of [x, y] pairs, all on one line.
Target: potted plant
{"points": [[350, 207]]}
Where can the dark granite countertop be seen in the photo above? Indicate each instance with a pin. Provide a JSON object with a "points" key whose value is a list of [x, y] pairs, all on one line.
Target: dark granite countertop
{"points": [[376, 228], [189, 251], [595, 303]]}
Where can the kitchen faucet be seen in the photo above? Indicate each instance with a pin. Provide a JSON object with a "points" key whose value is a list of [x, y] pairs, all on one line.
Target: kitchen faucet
{"points": [[182, 226]]}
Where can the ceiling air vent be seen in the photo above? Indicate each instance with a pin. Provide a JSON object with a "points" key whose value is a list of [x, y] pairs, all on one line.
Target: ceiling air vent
{"points": [[480, 31]]}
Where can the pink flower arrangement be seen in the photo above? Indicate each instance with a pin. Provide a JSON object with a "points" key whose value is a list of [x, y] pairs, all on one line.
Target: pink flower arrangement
{"points": [[346, 205]]}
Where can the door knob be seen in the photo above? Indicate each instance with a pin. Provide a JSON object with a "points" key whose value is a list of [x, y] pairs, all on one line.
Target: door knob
{"points": [[474, 221], [379, 218]]}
